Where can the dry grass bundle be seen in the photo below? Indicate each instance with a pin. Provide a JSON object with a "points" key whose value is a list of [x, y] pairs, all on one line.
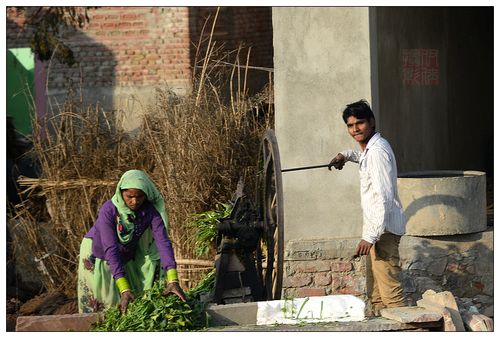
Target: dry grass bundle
{"points": [[77, 149], [195, 147]]}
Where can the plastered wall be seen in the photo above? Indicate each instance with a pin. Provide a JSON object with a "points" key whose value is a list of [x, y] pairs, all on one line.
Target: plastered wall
{"points": [[322, 62]]}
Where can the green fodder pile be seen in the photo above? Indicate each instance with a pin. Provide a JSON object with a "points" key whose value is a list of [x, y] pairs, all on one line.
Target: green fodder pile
{"points": [[153, 311], [195, 147]]}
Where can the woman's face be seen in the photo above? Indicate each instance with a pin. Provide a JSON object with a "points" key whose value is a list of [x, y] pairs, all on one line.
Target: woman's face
{"points": [[133, 198]]}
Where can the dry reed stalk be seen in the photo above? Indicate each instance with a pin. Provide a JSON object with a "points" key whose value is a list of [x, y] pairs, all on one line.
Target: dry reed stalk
{"points": [[207, 56]]}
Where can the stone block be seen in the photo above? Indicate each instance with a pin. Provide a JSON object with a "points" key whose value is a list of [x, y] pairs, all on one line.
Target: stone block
{"points": [[448, 323], [80, 322], [488, 311], [425, 283], [477, 322], [410, 314], [438, 266], [353, 285], [443, 299], [324, 249]]}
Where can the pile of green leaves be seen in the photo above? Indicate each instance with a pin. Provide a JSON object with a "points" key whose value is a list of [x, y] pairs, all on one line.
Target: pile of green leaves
{"points": [[205, 224], [152, 311]]}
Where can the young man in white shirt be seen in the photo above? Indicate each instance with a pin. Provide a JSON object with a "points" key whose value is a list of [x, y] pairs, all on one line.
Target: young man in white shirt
{"points": [[383, 220]]}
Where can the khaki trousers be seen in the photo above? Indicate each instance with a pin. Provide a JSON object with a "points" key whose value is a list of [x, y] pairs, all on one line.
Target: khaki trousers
{"points": [[384, 258]]}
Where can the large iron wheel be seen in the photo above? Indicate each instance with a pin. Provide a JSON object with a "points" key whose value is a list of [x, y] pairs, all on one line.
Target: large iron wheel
{"points": [[269, 204]]}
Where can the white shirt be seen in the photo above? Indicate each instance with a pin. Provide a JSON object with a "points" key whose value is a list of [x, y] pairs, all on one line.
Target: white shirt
{"points": [[382, 209]]}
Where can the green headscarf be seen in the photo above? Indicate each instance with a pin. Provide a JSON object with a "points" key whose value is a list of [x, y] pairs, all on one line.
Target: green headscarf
{"points": [[136, 179]]}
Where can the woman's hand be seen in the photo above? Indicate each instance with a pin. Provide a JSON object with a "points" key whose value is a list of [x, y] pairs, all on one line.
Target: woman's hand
{"points": [[125, 298], [174, 287]]}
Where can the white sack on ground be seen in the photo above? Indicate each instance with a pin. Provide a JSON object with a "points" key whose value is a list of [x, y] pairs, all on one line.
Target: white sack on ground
{"points": [[334, 308]]}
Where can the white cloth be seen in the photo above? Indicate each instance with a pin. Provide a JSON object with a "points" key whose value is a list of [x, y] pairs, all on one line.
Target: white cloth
{"points": [[334, 308], [382, 209]]}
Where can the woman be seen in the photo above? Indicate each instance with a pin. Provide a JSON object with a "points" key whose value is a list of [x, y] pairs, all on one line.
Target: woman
{"points": [[123, 252]]}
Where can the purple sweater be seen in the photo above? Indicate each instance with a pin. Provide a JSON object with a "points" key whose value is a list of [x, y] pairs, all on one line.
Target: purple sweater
{"points": [[106, 246]]}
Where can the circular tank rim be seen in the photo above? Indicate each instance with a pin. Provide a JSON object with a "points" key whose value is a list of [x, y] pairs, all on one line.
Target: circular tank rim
{"points": [[440, 174]]}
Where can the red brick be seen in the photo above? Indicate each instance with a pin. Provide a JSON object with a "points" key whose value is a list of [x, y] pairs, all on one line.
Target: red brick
{"points": [[112, 17], [109, 25], [129, 16], [348, 284], [322, 279], [93, 26], [313, 266], [124, 25], [310, 292], [341, 266], [297, 280]]}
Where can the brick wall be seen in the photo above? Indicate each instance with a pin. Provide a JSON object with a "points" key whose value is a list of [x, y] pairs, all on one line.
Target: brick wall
{"points": [[323, 267], [325, 277], [144, 46], [461, 264], [124, 46]]}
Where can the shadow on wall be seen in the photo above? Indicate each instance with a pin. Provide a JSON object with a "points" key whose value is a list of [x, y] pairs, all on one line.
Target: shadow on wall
{"points": [[90, 82], [457, 203], [461, 264], [435, 215]]}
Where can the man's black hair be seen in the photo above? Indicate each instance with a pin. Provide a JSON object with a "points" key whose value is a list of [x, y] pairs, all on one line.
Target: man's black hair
{"points": [[360, 110]]}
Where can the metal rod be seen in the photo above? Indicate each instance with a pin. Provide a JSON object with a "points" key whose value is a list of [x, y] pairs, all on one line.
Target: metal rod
{"points": [[305, 168]]}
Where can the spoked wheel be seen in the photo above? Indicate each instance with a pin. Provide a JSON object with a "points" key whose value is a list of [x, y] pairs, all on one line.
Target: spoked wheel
{"points": [[270, 207]]}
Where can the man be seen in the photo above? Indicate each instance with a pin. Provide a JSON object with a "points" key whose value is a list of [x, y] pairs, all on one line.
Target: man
{"points": [[383, 220]]}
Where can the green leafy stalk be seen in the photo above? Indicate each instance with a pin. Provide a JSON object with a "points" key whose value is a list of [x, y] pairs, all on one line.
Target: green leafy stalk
{"points": [[302, 306], [205, 224]]}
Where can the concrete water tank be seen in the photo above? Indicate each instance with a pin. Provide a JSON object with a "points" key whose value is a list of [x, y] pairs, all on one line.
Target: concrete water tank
{"points": [[443, 202]]}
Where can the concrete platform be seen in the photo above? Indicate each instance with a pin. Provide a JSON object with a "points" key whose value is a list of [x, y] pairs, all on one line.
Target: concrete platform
{"points": [[371, 324], [240, 317]]}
